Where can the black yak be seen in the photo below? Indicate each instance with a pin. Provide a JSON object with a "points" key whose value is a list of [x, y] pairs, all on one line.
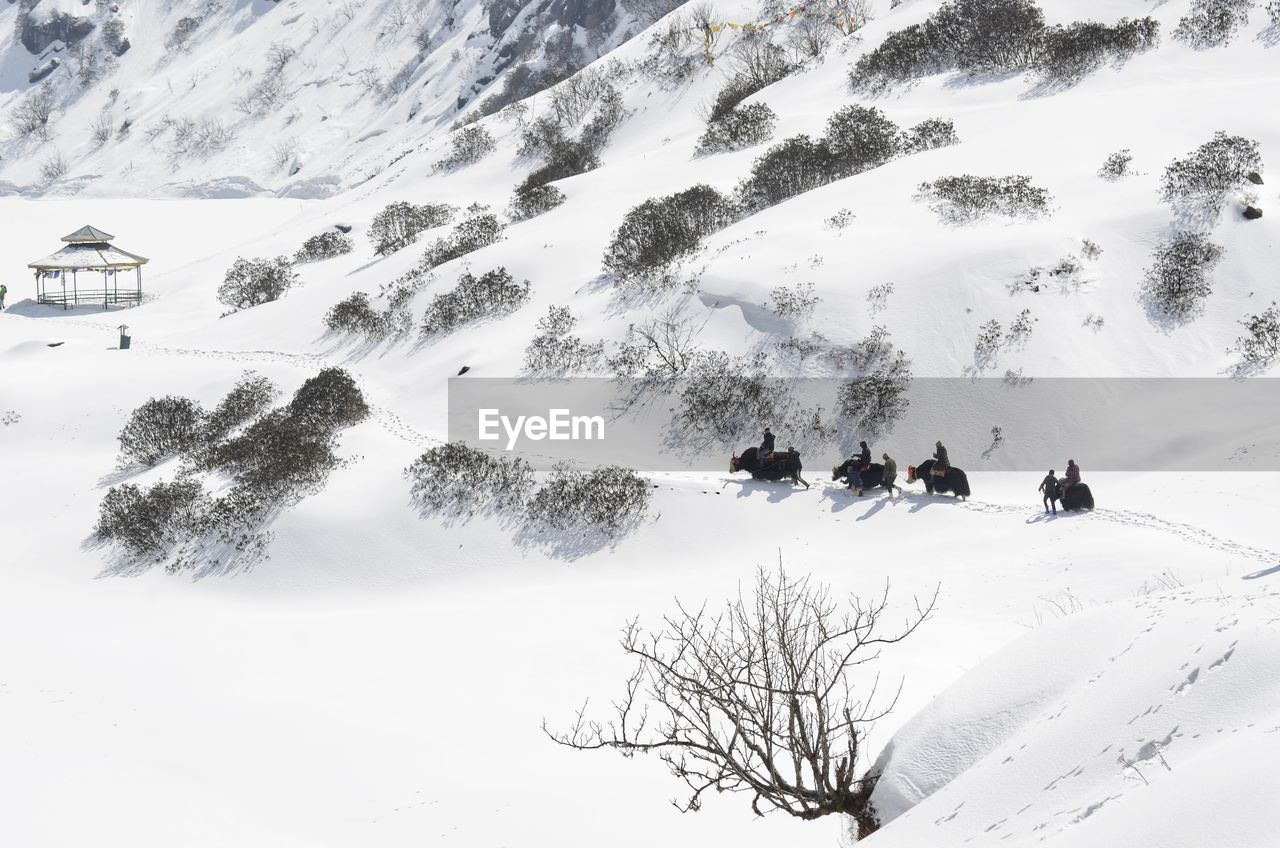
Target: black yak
{"points": [[872, 477], [954, 480], [783, 465], [1075, 496]]}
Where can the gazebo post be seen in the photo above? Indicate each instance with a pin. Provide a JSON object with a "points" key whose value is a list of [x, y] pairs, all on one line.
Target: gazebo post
{"points": [[75, 286], [138, 269]]}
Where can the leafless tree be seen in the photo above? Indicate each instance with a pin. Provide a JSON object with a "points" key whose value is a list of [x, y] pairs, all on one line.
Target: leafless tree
{"points": [[661, 348], [757, 698]]}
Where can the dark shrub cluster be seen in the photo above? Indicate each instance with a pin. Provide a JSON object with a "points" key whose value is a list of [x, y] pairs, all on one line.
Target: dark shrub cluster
{"points": [[478, 230], [556, 350], [145, 523], [466, 147], [758, 63], [980, 36], [857, 139], [462, 481], [251, 282], [398, 225], [1212, 171], [725, 397], [1177, 282], [1260, 346], [739, 128], [662, 230], [492, 294], [356, 316], [874, 402], [161, 428], [326, 245], [968, 198], [1072, 52], [534, 200], [280, 456], [608, 500], [1212, 23], [548, 138]]}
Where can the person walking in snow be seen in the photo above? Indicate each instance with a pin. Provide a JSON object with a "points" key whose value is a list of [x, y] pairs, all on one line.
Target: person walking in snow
{"points": [[1049, 488], [3, 291], [890, 475]]}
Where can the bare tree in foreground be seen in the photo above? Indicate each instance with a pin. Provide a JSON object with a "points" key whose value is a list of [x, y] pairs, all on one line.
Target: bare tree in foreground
{"points": [[757, 698]]}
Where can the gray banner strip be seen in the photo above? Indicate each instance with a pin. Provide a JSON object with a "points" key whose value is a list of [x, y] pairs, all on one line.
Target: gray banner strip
{"points": [[1105, 425]]}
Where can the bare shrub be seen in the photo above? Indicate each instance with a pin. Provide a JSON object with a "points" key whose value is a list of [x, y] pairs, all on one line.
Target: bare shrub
{"points": [[1177, 282], [873, 402], [1069, 53], [398, 225], [461, 481], [724, 397], [467, 146], [201, 138], [249, 398], [252, 282], [608, 500], [1207, 175], [491, 295], [327, 245], [161, 428], [556, 350], [53, 168], [533, 201], [1260, 346], [967, 198], [739, 128], [479, 229], [1116, 166], [33, 113], [758, 697], [147, 523], [1213, 23], [182, 32], [793, 302], [930, 134], [658, 349]]}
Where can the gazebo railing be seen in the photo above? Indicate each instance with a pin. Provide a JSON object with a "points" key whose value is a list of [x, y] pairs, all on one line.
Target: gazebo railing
{"points": [[105, 297]]}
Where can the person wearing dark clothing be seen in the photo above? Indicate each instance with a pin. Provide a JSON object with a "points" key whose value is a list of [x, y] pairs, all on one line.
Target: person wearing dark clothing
{"points": [[766, 447], [942, 463], [861, 461], [1049, 487], [890, 475], [864, 456], [1073, 472]]}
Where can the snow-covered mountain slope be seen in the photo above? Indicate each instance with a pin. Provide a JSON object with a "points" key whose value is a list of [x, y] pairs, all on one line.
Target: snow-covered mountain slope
{"points": [[382, 677]]}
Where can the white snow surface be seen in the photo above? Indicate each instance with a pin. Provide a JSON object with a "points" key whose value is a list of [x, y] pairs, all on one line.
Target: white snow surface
{"points": [[381, 680]]}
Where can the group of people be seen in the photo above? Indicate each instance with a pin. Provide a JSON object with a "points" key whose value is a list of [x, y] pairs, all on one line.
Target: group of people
{"points": [[862, 461], [1053, 490]]}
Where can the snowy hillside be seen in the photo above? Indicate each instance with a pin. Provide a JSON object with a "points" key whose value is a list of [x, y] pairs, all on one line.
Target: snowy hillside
{"points": [[339, 661]]}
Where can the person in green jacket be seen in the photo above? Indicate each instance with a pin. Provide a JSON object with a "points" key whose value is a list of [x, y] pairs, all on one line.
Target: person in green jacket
{"points": [[4, 290], [890, 475]]}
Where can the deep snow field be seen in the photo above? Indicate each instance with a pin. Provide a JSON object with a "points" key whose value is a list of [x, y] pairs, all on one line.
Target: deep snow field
{"points": [[1104, 678]]}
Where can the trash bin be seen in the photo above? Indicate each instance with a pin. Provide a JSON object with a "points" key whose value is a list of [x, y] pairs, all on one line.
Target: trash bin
{"points": [[124, 337]]}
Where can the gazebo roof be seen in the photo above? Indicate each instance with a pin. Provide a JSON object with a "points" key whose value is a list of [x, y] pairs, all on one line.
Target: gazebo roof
{"points": [[87, 235], [87, 249]]}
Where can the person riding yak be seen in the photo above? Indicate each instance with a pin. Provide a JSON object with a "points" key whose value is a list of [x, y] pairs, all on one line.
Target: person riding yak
{"points": [[859, 464], [941, 461], [766, 447]]}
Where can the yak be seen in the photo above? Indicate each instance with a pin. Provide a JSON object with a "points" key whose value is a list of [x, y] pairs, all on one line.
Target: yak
{"points": [[872, 477], [783, 465], [954, 480], [1075, 496]]}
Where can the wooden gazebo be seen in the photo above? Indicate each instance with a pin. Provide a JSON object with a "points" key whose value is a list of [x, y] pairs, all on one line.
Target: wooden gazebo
{"points": [[88, 249]]}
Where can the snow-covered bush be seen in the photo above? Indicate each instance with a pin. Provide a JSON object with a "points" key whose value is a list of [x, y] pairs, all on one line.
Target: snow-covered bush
{"points": [[147, 523], [1069, 53], [757, 64], [676, 50], [461, 481], [663, 230], [356, 316], [930, 134], [480, 229], [987, 344], [326, 245], [1212, 171], [491, 295], [1260, 346], [399, 224], [725, 397], [790, 167], [251, 282], [161, 428], [1116, 166], [1177, 282], [182, 32], [875, 401], [793, 301], [659, 349], [608, 500], [739, 128], [328, 401], [113, 37], [275, 460], [1212, 23], [53, 168], [861, 138], [979, 36], [467, 146], [192, 138], [249, 398], [556, 350], [968, 198], [531, 202], [33, 113]]}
